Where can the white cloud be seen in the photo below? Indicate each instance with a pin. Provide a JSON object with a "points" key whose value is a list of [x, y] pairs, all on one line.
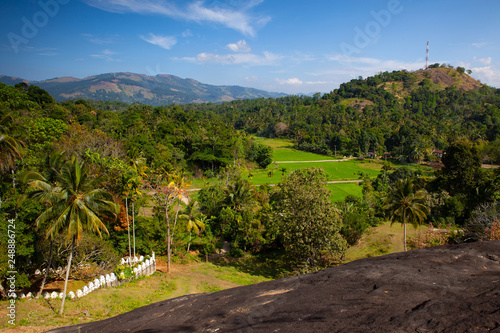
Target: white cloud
{"points": [[267, 58], [364, 66], [232, 17], [481, 44], [487, 74], [106, 39], [240, 46], [105, 55], [292, 81], [484, 61], [48, 54], [297, 82], [165, 42], [252, 78], [187, 33], [352, 60]]}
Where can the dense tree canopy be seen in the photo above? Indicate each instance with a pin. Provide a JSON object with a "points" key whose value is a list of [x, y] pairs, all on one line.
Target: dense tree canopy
{"points": [[308, 222]]}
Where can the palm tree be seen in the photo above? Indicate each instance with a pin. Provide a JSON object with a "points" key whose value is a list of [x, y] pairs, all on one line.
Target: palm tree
{"points": [[10, 148], [43, 184], [406, 204], [240, 196], [75, 207], [194, 219]]}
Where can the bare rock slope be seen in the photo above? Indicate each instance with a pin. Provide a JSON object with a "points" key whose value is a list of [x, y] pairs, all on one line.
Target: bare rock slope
{"points": [[442, 289]]}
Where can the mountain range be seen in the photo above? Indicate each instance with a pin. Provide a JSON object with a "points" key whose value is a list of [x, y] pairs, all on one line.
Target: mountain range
{"points": [[131, 88]]}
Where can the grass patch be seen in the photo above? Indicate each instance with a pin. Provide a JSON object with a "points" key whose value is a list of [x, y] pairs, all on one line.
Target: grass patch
{"points": [[42, 315], [208, 288], [274, 143], [381, 240], [230, 274], [342, 190], [289, 154]]}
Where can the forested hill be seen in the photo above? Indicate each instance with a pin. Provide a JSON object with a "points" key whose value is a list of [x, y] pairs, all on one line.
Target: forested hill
{"points": [[139, 88], [408, 114]]}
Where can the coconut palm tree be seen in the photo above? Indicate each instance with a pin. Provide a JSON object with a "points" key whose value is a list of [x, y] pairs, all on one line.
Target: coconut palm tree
{"points": [[240, 196], [406, 204], [10, 148], [75, 206], [194, 219], [42, 185]]}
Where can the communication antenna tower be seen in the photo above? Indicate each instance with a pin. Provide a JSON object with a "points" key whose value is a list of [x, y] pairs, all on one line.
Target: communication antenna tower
{"points": [[427, 56]]}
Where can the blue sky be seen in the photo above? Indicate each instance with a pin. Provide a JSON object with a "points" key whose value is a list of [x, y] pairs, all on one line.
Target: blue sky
{"points": [[283, 46]]}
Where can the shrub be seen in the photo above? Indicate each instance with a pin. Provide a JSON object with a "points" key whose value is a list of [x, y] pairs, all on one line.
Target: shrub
{"points": [[430, 238], [492, 232], [483, 224]]}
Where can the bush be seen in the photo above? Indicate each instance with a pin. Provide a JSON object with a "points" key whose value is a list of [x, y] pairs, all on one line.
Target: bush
{"points": [[483, 224], [94, 256], [492, 232], [430, 238], [354, 225], [124, 272], [236, 252]]}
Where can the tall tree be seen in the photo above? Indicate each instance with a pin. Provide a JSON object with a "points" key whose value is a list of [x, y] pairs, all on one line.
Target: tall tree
{"points": [[165, 190], [406, 204], [308, 222], [462, 167], [76, 206], [140, 167], [463, 177], [47, 183]]}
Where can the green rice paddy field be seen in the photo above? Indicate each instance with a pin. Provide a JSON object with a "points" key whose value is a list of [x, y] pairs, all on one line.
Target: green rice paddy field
{"points": [[335, 171], [339, 169]]}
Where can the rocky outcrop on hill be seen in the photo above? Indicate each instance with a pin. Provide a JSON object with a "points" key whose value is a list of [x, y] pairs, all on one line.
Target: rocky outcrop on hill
{"points": [[441, 289]]}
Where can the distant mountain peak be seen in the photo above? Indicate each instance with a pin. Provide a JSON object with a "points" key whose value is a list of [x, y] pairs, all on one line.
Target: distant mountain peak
{"points": [[63, 79]]}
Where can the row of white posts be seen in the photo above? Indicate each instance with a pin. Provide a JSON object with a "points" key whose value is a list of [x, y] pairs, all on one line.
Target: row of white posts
{"points": [[145, 267]]}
